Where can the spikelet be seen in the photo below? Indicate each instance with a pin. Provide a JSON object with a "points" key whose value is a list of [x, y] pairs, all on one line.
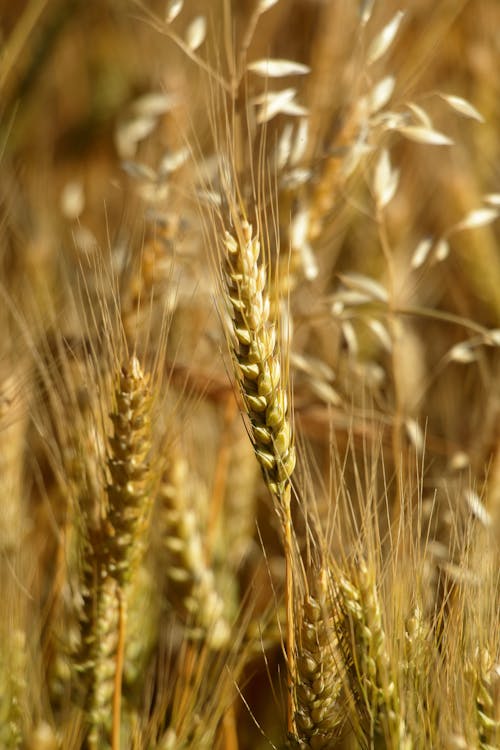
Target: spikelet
{"points": [[191, 580]]}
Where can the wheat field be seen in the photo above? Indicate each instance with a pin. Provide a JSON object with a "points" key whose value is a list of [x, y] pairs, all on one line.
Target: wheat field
{"points": [[250, 375]]}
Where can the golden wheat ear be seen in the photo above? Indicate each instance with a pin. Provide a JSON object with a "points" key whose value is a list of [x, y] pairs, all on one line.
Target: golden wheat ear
{"points": [[320, 670], [263, 386], [258, 361]]}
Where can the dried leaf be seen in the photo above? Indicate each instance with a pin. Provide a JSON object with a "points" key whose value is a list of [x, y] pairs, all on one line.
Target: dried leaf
{"points": [[173, 9], [421, 252], [385, 181], [274, 68], [421, 134], [196, 33], [462, 106], [383, 41], [480, 217]]}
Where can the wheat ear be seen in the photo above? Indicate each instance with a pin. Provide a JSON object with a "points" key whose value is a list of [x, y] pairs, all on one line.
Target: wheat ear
{"points": [[191, 580], [376, 685], [112, 551], [486, 677], [263, 388], [320, 671]]}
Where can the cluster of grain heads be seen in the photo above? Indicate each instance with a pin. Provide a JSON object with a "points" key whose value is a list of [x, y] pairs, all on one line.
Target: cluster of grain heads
{"points": [[263, 387], [191, 582], [112, 551]]}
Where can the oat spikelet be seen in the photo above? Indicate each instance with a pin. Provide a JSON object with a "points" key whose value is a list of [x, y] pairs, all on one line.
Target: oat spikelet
{"points": [[191, 580], [320, 677]]}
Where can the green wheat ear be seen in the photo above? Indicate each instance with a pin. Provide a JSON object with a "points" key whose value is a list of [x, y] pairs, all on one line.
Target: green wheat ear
{"points": [[112, 553]]}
